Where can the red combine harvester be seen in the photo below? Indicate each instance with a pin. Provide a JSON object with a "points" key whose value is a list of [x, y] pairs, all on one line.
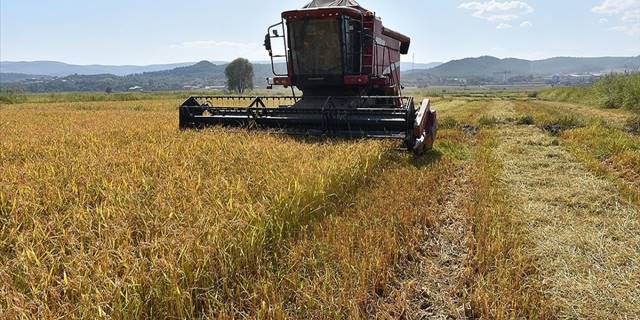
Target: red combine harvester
{"points": [[347, 64]]}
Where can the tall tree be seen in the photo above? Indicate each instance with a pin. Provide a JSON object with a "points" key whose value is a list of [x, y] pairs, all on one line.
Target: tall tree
{"points": [[239, 75]]}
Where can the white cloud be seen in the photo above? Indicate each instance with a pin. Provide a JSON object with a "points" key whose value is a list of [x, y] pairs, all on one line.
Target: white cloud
{"points": [[503, 26], [503, 17], [616, 6], [632, 30], [497, 10], [603, 20], [526, 24], [626, 11], [631, 16]]}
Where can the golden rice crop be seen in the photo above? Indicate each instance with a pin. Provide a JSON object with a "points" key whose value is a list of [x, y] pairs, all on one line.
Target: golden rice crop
{"points": [[349, 264], [107, 210]]}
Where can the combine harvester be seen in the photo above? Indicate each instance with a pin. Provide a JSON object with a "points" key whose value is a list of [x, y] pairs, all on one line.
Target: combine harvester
{"points": [[346, 63]]}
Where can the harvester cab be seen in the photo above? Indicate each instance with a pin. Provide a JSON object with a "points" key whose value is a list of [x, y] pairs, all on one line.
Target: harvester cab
{"points": [[347, 65]]}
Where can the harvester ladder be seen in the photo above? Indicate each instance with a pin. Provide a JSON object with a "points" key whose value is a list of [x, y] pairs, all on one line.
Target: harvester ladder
{"points": [[368, 58]]}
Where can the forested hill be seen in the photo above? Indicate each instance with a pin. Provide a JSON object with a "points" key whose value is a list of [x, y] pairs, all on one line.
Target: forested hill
{"points": [[198, 76], [488, 66], [204, 74]]}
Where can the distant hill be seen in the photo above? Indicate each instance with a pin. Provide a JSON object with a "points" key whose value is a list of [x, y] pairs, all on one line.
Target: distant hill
{"points": [[197, 76], [17, 77], [408, 66], [488, 66], [585, 65], [60, 69], [488, 69], [482, 70]]}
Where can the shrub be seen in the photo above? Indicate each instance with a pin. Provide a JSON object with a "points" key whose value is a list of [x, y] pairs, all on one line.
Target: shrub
{"points": [[611, 91], [632, 93], [619, 91], [11, 97], [558, 125], [633, 125], [526, 120], [448, 123], [488, 121]]}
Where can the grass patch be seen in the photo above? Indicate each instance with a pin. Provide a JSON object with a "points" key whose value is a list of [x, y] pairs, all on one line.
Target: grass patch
{"points": [[580, 95], [457, 149], [461, 111], [602, 143]]}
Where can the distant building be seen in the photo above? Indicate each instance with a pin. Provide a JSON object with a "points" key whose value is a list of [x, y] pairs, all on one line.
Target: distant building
{"points": [[456, 82], [215, 88], [573, 79]]}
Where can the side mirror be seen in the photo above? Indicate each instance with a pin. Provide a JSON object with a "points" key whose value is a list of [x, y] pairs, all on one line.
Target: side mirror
{"points": [[267, 43], [269, 84]]}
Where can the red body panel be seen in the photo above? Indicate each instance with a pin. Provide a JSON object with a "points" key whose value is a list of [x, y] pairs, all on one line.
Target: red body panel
{"points": [[380, 53], [356, 80]]}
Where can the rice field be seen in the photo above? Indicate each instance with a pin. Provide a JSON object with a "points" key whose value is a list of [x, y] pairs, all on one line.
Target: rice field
{"points": [[107, 211]]}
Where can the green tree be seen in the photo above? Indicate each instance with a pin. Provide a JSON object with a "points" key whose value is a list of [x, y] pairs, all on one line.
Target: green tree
{"points": [[239, 75]]}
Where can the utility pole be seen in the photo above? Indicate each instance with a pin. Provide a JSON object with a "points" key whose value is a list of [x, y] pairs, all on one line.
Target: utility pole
{"points": [[413, 63], [506, 74]]}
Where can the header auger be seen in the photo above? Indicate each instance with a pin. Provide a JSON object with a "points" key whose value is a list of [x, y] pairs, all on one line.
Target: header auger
{"points": [[347, 64]]}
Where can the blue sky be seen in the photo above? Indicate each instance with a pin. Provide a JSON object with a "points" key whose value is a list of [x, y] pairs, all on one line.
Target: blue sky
{"points": [[163, 31]]}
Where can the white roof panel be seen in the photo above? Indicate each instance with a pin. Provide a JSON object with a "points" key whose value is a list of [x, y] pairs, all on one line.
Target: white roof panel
{"points": [[331, 3]]}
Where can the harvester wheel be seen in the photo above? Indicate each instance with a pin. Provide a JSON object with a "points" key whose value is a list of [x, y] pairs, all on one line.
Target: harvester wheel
{"points": [[431, 131], [426, 129]]}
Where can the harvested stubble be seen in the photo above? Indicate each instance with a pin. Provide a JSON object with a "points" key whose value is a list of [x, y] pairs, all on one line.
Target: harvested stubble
{"points": [[546, 112], [504, 283], [109, 212], [594, 136], [583, 236], [611, 152]]}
